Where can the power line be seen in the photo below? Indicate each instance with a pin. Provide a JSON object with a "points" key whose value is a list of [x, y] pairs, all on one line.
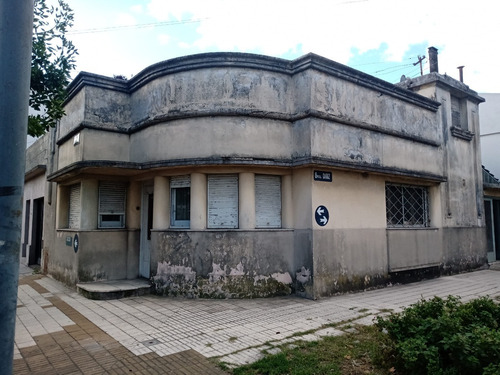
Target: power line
{"points": [[139, 26]]}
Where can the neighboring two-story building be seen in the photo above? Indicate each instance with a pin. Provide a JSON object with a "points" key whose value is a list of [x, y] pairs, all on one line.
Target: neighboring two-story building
{"points": [[240, 175], [490, 153]]}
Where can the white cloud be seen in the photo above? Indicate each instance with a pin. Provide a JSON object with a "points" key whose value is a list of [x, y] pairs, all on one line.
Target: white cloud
{"points": [[164, 39], [138, 9], [464, 32], [125, 19]]}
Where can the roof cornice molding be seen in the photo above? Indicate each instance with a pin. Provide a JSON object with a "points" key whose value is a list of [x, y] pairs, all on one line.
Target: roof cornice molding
{"points": [[249, 61]]}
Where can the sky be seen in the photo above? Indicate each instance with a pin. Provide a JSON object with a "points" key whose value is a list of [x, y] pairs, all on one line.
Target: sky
{"points": [[383, 38]]}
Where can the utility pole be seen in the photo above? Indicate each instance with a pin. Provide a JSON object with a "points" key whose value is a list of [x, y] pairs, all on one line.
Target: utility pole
{"points": [[16, 28], [420, 59]]}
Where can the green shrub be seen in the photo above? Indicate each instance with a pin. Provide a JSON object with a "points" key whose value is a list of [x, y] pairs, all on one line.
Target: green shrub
{"points": [[446, 337]]}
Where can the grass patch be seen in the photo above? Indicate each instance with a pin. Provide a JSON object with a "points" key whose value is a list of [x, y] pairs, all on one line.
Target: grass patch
{"points": [[433, 337], [361, 352], [233, 339]]}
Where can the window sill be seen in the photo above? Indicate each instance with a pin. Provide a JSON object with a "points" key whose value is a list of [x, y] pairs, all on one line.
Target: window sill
{"points": [[412, 228], [461, 133], [223, 230], [93, 230]]}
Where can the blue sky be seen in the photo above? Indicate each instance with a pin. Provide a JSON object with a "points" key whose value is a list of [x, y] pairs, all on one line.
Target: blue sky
{"points": [[383, 38]]}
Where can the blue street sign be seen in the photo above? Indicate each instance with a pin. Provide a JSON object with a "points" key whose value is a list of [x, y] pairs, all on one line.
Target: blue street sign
{"points": [[322, 216]]}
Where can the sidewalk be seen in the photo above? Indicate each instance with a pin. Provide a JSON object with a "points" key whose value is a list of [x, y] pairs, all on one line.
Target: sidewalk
{"points": [[61, 332]]}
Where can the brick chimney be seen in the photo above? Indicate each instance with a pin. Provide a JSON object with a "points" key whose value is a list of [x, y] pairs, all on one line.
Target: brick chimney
{"points": [[433, 59]]}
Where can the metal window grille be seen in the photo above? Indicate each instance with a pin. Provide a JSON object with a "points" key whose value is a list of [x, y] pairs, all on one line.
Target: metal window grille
{"points": [[406, 206]]}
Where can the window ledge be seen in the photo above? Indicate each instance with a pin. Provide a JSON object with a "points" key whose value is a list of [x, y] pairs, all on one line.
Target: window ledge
{"points": [[412, 228], [95, 230], [461, 133], [224, 230]]}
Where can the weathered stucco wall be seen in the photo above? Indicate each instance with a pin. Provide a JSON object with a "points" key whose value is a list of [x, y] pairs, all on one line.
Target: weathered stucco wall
{"points": [[74, 116], [213, 138], [203, 91], [98, 145], [101, 255], [351, 103], [107, 109], [350, 251], [349, 259], [464, 249], [69, 153], [223, 264], [62, 261], [414, 248]]}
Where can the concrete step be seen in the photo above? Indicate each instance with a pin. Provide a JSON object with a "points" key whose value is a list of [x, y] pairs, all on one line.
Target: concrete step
{"points": [[495, 266], [114, 289]]}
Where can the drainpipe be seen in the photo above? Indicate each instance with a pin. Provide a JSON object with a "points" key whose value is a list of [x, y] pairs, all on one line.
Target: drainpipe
{"points": [[16, 25]]}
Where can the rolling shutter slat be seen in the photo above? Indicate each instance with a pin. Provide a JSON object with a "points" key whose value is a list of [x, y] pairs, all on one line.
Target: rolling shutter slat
{"points": [[74, 207], [223, 201], [112, 197], [267, 201]]}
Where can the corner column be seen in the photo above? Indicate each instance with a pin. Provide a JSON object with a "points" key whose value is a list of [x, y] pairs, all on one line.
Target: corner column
{"points": [[161, 207], [246, 199], [198, 220], [286, 202]]}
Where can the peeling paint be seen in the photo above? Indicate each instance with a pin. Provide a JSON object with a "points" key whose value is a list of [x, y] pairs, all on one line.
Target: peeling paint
{"points": [[284, 278], [166, 269], [218, 273], [303, 276], [178, 280], [238, 271]]}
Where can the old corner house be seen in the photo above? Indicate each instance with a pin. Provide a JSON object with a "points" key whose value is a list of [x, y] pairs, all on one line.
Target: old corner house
{"points": [[240, 175]]}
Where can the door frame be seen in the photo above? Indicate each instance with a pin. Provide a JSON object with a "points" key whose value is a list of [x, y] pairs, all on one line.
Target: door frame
{"points": [[490, 228], [147, 199]]}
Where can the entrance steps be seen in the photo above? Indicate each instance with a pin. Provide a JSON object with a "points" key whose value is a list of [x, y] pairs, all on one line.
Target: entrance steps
{"points": [[114, 289], [495, 266]]}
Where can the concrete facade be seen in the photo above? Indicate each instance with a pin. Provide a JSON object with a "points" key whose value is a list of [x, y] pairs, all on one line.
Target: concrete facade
{"points": [[490, 132], [255, 150], [490, 139]]}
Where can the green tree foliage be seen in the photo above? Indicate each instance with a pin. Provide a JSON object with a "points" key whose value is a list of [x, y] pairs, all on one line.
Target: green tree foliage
{"points": [[52, 60]]}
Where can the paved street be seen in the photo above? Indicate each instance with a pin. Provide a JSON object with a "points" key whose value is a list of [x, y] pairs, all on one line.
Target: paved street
{"points": [[61, 332]]}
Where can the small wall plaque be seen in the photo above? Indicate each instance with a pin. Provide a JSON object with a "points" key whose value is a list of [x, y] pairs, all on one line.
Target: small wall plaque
{"points": [[323, 176]]}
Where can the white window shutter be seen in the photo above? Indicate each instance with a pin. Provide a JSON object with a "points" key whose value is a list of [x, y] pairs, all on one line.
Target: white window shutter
{"points": [[180, 181], [223, 201], [112, 204], [267, 201], [74, 207], [112, 197]]}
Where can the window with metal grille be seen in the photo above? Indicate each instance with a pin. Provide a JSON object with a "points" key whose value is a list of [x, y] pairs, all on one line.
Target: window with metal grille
{"points": [[112, 197], [406, 206]]}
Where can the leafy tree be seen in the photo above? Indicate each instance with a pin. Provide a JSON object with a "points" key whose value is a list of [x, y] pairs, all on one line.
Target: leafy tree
{"points": [[52, 60]]}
